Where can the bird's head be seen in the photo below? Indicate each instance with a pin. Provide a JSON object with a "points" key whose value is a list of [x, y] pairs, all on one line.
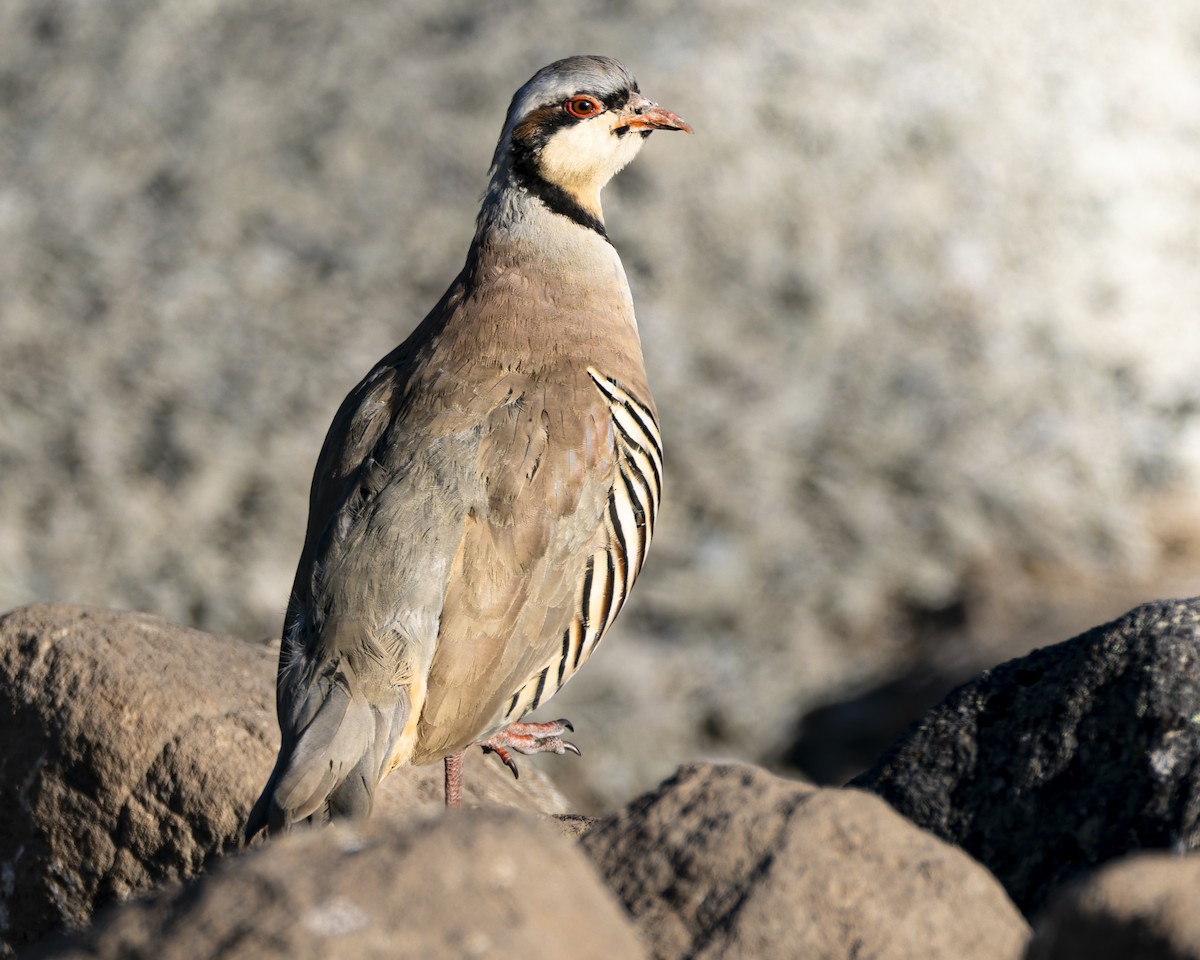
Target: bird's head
{"points": [[574, 125]]}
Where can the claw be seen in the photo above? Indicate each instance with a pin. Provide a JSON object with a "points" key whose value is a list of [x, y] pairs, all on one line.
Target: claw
{"points": [[568, 745], [505, 757], [566, 723]]}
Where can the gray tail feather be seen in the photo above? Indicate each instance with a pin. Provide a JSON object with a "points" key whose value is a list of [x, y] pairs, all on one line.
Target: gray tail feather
{"points": [[330, 768]]}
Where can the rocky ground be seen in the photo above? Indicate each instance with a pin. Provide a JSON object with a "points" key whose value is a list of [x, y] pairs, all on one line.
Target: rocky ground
{"points": [[1061, 789], [918, 303]]}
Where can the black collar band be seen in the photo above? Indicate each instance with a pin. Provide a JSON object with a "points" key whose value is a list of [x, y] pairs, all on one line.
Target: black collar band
{"points": [[559, 201], [555, 198]]}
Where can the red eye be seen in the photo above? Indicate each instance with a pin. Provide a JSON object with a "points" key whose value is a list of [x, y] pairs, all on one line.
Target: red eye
{"points": [[582, 107]]}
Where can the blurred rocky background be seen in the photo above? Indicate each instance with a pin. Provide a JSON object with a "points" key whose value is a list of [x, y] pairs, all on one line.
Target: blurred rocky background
{"points": [[919, 304]]}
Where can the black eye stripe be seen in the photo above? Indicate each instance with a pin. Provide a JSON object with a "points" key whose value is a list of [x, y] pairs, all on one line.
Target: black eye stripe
{"points": [[613, 100]]}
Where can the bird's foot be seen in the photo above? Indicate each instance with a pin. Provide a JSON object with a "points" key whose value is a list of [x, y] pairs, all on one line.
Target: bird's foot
{"points": [[530, 738]]}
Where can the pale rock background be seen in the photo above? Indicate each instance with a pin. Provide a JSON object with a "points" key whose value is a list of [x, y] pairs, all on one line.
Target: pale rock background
{"points": [[919, 303]]}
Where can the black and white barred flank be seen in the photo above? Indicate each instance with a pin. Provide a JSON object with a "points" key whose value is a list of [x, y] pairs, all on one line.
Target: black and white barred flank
{"points": [[610, 572]]}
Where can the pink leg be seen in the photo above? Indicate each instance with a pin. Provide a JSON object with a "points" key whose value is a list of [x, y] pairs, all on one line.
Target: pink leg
{"points": [[454, 776]]}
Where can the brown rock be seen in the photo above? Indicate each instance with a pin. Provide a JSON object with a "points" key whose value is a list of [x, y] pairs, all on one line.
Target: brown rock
{"points": [[730, 861], [1146, 906], [130, 751], [491, 884], [574, 825]]}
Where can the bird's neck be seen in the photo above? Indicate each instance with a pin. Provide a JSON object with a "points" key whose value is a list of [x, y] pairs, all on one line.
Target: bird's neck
{"points": [[518, 188], [538, 226], [549, 270]]}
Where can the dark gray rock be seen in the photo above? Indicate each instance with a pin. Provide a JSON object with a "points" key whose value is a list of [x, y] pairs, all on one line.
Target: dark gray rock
{"points": [[1048, 765], [728, 861]]}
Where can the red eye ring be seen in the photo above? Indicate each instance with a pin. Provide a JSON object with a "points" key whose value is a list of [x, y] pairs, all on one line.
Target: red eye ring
{"points": [[582, 107]]}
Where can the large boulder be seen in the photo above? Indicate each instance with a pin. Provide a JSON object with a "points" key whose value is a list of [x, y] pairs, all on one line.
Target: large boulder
{"points": [[1050, 764], [1146, 906], [489, 884], [131, 750], [730, 861]]}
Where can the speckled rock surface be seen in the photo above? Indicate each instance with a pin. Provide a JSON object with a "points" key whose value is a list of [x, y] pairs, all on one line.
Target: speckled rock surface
{"points": [[1048, 765], [489, 885], [728, 861]]}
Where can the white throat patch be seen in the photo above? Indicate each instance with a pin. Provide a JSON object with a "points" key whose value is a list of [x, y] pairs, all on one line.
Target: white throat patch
{"points": [[583, 157]]}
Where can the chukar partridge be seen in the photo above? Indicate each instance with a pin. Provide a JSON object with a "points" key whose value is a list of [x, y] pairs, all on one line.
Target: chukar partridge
{"points": [[486, 495]]}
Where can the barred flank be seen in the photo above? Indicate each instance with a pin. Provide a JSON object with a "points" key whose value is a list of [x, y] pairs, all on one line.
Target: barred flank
{"points": [[609, 573]]}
